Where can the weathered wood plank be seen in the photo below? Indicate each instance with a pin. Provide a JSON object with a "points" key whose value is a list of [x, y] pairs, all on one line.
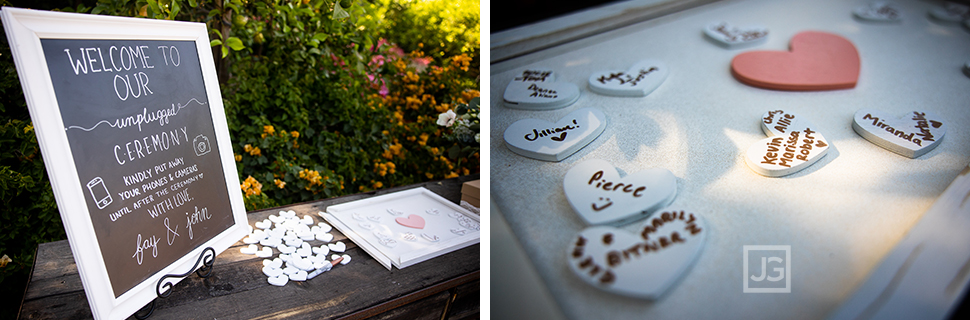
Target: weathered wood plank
{"points": [[429, 308], [467, 302], [238, 289]]}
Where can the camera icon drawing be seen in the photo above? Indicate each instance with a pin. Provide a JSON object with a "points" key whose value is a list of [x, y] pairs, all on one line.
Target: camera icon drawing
{"points": [[201, 145]]}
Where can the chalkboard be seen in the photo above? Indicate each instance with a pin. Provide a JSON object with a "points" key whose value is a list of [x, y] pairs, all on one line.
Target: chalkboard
{"points": [[130, 121], [137, 119]]}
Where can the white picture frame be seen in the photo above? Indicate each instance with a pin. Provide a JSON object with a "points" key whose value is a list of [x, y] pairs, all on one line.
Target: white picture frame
{"points": [[415, 201], [25, 29]]}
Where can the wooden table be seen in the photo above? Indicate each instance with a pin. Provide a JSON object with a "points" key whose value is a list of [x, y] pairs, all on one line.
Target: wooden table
{"points": [[446, 287]]}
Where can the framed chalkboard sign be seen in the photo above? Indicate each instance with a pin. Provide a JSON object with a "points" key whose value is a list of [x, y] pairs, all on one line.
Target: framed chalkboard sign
{"points": [[130, 121]]}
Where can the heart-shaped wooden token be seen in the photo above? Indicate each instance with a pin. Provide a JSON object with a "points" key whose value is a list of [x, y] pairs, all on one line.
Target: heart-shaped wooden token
{"points": [[793, 144], [598, 193], [537, 90], [951, 12], [731, 36], [639, 81], [913, 135], [816, 61], [543, 140], [878, 11], [412, 221], [643, 264]]}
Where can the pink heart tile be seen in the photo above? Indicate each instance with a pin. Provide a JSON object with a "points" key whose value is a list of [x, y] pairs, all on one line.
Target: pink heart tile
{"points": [[412, 221]]}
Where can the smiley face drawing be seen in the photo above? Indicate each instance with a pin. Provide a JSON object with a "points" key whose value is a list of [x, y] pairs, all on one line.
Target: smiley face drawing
{"points": [[610, 203]]}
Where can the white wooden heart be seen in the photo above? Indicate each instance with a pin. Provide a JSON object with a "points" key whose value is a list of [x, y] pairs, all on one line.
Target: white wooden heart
{"points": [[793, 144], [731, 36], [913, 135], [878, 11], [598, 193], [644, 264], [639, 81], [544, 140], [537, 89], [951, 12]]}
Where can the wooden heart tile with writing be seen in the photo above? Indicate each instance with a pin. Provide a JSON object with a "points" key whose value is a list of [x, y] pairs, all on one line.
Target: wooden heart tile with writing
{"points": [[544, 140], [638, 81], [732, 37], [793, 144], [644, 264], [816, 61], [913, 135], [598, 194], [537, 89], [878, 11], [951, 12]]}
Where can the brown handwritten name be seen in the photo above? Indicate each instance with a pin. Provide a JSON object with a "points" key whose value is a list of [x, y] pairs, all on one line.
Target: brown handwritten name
{"points": [[625, 78], [894, 131], [602, 183], [551, 132], [533, 75], [734, 34], [541, 92], [615, 258]]}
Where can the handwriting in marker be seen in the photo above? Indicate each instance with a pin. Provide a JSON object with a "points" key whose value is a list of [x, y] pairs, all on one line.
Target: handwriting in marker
{"points": [[171, 234], [140, 248]]}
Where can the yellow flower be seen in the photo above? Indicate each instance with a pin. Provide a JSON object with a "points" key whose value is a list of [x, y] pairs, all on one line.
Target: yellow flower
{"points": [[385, 132], [251, 187], [451, 175], [248, 148], [312, 176], [396, 149], [255, 152], [410, 77], [467, 95], [27, 129], [279, 183], [424, 139], [461, 62], [442, 107], [378, 185], [238, 157], [429, 175], [413, 103], [464, 171], [268, 129]]}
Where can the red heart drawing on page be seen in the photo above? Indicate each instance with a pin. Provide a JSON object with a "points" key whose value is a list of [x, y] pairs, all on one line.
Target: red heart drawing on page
{"points": [[816, 61], [412, 221]]}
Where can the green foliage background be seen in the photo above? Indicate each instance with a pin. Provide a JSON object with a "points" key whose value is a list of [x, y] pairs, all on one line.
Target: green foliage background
{"points": [[323, 98]]}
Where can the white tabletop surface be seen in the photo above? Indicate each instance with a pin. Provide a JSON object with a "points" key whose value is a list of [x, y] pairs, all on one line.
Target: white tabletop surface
{"points": [[841, 215]]}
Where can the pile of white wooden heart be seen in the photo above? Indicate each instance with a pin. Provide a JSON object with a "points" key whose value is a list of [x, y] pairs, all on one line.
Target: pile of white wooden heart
{"points": [[291, 236]]}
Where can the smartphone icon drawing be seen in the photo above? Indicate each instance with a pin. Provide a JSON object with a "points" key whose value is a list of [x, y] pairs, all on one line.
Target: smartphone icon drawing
{"points": [[99, 192]]}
